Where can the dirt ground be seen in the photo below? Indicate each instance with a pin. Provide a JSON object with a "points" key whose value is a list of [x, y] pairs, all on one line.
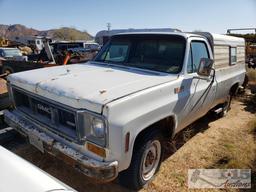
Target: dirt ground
{"points": [[228, 142], [3, 87]]}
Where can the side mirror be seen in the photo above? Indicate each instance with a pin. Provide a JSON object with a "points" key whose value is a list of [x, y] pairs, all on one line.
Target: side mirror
{"points": [[205, 67]]}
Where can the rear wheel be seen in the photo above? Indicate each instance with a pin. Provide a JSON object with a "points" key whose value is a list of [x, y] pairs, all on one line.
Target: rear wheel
{"points": [[145, 162]]}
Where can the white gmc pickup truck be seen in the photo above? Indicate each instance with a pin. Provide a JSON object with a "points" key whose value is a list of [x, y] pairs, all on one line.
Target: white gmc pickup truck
{"points": [[109, 116]]}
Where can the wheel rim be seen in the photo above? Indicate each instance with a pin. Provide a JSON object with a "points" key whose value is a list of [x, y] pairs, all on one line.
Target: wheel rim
{"points": [[150, 160]]}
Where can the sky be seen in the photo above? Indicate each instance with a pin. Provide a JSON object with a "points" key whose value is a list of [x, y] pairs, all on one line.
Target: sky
{"points": [[93, 15]]}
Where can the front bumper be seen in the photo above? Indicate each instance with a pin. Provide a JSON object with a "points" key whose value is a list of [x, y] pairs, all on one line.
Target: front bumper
{"points": [[101, 171]]}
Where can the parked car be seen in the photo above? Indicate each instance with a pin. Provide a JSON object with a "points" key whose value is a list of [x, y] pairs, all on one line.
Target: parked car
{"points": [[64, 46], [12, 54], [109, 117], [18, 175], [92, 46]]}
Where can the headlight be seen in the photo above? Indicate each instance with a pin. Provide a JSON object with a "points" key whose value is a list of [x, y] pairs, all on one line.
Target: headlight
{"points": [[98, 127], [93, 128]]}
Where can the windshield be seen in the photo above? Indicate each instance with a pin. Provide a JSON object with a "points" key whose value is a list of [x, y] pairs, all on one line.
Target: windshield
{"points": [[12, 52], [163, 53]]}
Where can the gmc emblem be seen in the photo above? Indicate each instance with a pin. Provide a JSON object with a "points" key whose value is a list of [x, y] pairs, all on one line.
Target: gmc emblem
{"points": [[44, 108]]}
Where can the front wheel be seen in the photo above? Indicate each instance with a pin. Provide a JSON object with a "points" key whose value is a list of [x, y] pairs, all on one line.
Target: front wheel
{"points": [[145, 162]]}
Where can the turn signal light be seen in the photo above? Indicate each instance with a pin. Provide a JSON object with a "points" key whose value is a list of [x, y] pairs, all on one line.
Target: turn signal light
{"points": [[97, 150]]}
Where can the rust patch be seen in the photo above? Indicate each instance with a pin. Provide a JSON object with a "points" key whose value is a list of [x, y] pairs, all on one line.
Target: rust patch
{"points": [[103, 91]]}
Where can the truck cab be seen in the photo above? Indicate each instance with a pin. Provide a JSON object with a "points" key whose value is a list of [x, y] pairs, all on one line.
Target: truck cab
{"points": [[109, 117]]}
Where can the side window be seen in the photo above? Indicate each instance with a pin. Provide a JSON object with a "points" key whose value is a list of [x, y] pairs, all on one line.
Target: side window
{"points": [[198, 50], [233, 55]]}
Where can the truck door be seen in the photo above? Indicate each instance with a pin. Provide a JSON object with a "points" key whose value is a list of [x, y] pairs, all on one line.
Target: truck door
{"points": [[201, 90]]}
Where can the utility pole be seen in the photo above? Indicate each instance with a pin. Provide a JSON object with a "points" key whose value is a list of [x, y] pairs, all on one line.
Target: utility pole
{"points": [[108, 26]]}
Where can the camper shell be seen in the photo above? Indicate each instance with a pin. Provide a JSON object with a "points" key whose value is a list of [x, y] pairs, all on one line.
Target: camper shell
{"points": [[225, 48]]}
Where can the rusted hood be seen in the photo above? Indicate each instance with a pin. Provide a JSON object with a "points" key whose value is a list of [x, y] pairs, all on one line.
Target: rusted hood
{"points": [[87, 86]]}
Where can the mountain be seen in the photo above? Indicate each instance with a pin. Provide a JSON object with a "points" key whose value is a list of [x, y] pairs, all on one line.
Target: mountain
{"points": [[64, 33]]}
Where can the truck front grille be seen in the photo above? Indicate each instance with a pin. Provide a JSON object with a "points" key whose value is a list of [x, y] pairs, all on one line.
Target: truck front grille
{"points": [[55, 117]]}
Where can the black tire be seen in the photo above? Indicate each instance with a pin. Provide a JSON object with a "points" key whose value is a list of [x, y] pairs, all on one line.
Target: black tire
{"points": [[225, 107], [133, 178], [7, 69], [241, 90]]}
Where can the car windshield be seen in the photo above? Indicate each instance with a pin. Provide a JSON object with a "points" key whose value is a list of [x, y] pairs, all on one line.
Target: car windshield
{"points": [[12, 52], [163, 53]]}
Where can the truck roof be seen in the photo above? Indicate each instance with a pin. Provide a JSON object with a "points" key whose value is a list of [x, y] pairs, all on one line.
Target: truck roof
{"points": [[131, 30], [154, 33]]}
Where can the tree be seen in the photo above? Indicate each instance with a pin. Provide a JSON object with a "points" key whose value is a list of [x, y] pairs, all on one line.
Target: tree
{"points": [[70, 34]]}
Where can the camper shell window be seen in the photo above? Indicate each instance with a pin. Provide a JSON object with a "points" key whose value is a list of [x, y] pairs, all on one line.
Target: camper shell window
{"points": [[233, 55]]}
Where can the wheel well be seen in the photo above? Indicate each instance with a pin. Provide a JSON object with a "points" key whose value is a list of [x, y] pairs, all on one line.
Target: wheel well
{"points": [[233, 89], [246, 80], [165, 126], [7, 68]]}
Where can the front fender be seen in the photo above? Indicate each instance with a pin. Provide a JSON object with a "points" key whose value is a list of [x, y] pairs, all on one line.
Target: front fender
{"points": [[135, 113]]}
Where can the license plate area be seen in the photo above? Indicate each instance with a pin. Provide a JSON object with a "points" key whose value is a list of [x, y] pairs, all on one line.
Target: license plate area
{"points": [[36, 142]]}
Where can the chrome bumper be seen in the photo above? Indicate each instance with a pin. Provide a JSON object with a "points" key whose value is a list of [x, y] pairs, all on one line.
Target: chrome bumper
{"points": [[102, 171]]}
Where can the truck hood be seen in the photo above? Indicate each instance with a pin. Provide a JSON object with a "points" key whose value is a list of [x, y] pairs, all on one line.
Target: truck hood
{"points": [[87, 86]]}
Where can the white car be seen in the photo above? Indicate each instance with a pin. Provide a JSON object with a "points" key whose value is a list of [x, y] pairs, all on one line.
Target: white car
{"points": [[110, 116], [12, 54], [18, 175], [92, 46]]}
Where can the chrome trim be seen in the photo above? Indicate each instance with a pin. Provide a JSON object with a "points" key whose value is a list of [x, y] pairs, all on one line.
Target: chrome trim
{"points": [[106, 143], [10, 93]]}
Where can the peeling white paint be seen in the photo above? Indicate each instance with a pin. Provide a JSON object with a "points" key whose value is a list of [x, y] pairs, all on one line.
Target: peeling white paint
{"points": [[88, 85]]}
